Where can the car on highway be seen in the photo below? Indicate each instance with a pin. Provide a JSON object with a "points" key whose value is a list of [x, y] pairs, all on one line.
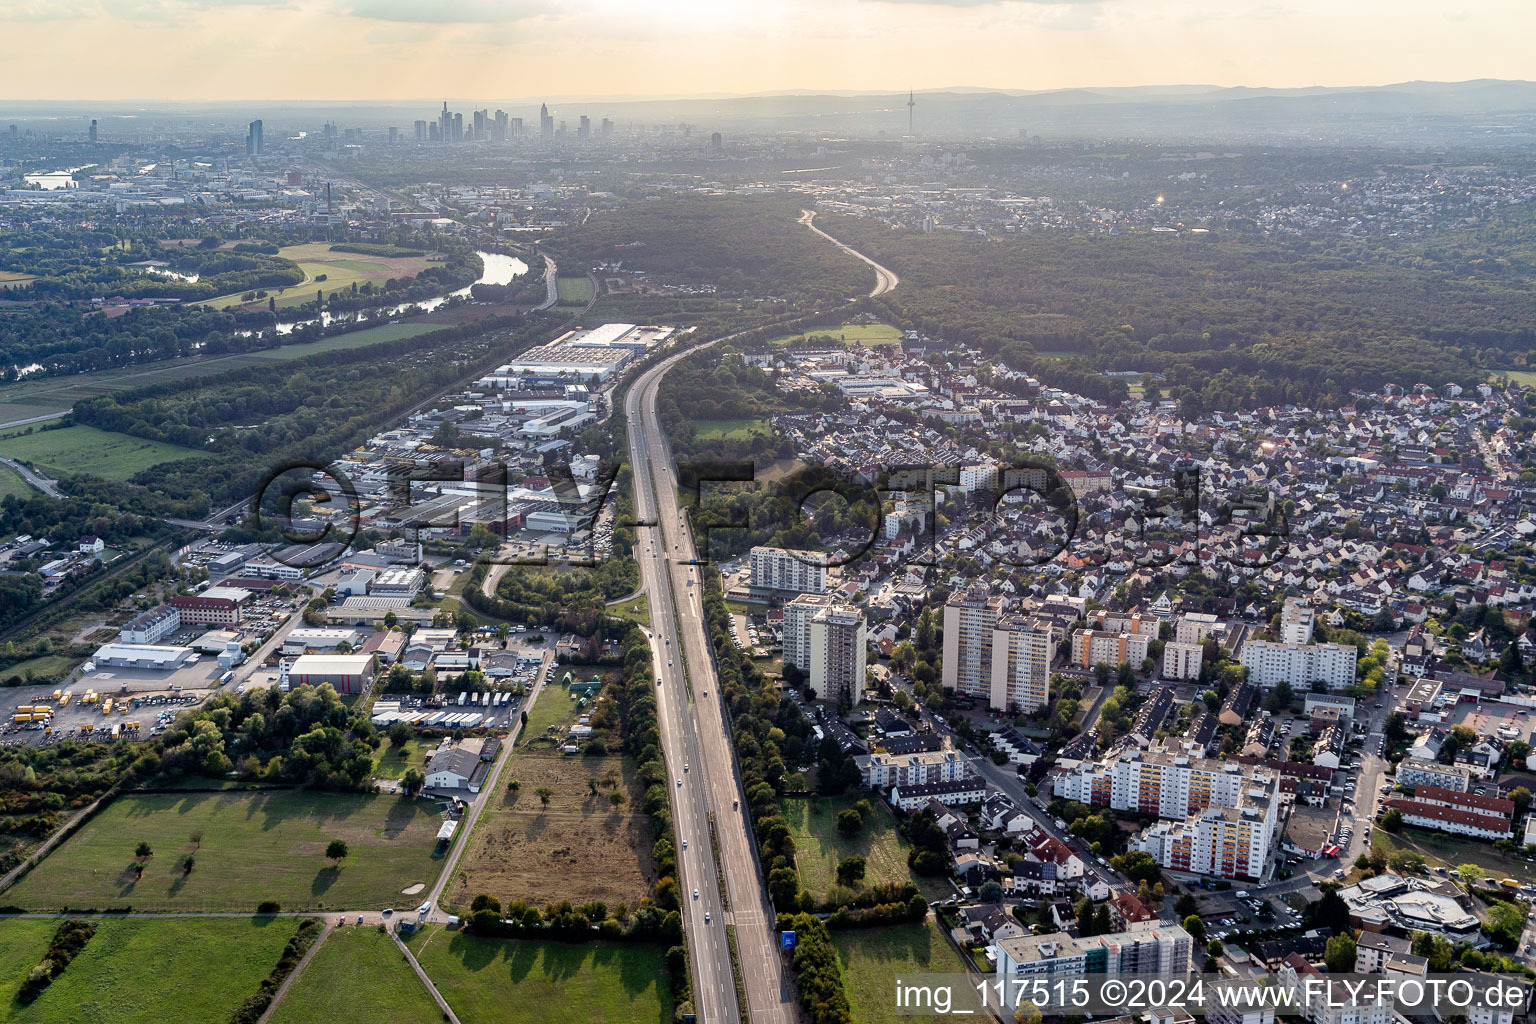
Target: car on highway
{"points": [[685, 768], [695, 894], [685, 844], [679, 783], [706, 919]]}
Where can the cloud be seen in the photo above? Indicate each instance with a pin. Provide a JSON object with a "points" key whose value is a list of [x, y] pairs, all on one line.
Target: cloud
{"points": [[442, 12], [986, 3]]}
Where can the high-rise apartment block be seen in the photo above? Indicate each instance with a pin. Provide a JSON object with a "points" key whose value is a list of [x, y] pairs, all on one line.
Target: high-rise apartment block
{"points": [[803, 572]]}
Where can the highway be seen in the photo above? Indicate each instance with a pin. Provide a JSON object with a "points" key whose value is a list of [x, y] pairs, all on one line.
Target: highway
{"points": [[885, 280], [698, 746], [695, 739]]}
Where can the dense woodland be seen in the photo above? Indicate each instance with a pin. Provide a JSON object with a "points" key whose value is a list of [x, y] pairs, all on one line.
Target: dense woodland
{"points": [[746, 247], [1230, 320]]}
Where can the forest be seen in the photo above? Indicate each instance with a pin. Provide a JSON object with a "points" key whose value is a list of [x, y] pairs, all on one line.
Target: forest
{"points": [[745, 247], [1229, 321]]}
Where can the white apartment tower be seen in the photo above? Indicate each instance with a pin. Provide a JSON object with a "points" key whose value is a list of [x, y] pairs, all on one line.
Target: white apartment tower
{"points": [[838, 643], [803, 572], [1296, 621], [1022, 651], [797, 627], [970, 618]]}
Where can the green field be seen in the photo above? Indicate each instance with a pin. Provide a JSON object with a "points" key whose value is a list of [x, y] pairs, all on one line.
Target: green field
{"points": [[82, 449], [1439, 848], [352, 339], [48, 668], [45, 396], [255, 846], [555, 706], [341, 270], [139, 971], [818, 847], [730, 430], [496, 981], [390, 762], [358, 973], [868, 335], [873, 957], [1525, 378], [634, 609], [11, 483], [573, 291]]}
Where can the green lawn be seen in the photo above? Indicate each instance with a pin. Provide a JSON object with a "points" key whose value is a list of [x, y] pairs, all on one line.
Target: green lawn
{"points": [[1526, 378], [555, 706], [341, 271], [869, 335], [634, 609], [1439, 848], [496, 981], [872, 958], [83, 449], [819, 848], [255, 846], [730, 430], [352, 339], [141, 971], [48, 668], [573, 291], [390, 762], [358, 973], [12, 483]]}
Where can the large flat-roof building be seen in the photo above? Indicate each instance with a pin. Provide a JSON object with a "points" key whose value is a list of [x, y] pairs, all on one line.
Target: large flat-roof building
{"points": [[1022, 652], [347, 673], [150, 657], [1301, 665], [839, 643], [782, 569]]}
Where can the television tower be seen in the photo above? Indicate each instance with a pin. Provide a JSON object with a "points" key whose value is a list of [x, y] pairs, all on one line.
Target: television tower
{"points": [[911, 102]]}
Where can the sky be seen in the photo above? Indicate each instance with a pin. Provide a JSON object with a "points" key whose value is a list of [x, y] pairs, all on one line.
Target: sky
{"points": [[513, 49]]}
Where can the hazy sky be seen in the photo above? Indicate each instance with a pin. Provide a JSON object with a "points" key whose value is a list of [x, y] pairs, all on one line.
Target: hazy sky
{"points": [[507, 49]]}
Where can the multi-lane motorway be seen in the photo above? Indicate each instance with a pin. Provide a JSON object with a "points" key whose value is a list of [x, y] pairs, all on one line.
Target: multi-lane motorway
{"points": [[707, 802], [697, 745]]}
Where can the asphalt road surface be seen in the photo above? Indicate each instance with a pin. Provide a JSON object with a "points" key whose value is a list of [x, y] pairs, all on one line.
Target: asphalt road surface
{"points": [[697, 746]]}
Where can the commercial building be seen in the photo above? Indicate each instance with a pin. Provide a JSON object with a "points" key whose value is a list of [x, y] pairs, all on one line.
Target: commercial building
{"points": [[347, 673], [780, 569], [970, 621], [141, 656], [1411, 904], [401, 581], [152, 626], [456, 768], [1022, 652], [216, 606], [1182, 661], [839, 642], [1301, 665], [307, 638], [1095, 646]]}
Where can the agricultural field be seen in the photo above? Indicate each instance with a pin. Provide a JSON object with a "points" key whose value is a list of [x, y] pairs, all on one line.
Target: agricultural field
{"points": [[83, 449], [573, 291], [872, 957], [15, 279], [341, 271], [819, 847], [511, 981], [358, 973], [868, 335], [730, 430], [244, 848], [580, 847], [141, 971]]}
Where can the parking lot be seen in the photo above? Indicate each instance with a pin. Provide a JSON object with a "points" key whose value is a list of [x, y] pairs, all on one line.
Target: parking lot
{"points": [[87, 714]]}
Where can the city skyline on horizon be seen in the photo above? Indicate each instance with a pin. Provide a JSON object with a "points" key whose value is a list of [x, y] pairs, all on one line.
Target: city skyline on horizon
{"points": [[395, 50]]}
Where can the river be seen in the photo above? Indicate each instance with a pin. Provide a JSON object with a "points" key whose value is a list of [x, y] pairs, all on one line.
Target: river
{"points": [[498, 269]]}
